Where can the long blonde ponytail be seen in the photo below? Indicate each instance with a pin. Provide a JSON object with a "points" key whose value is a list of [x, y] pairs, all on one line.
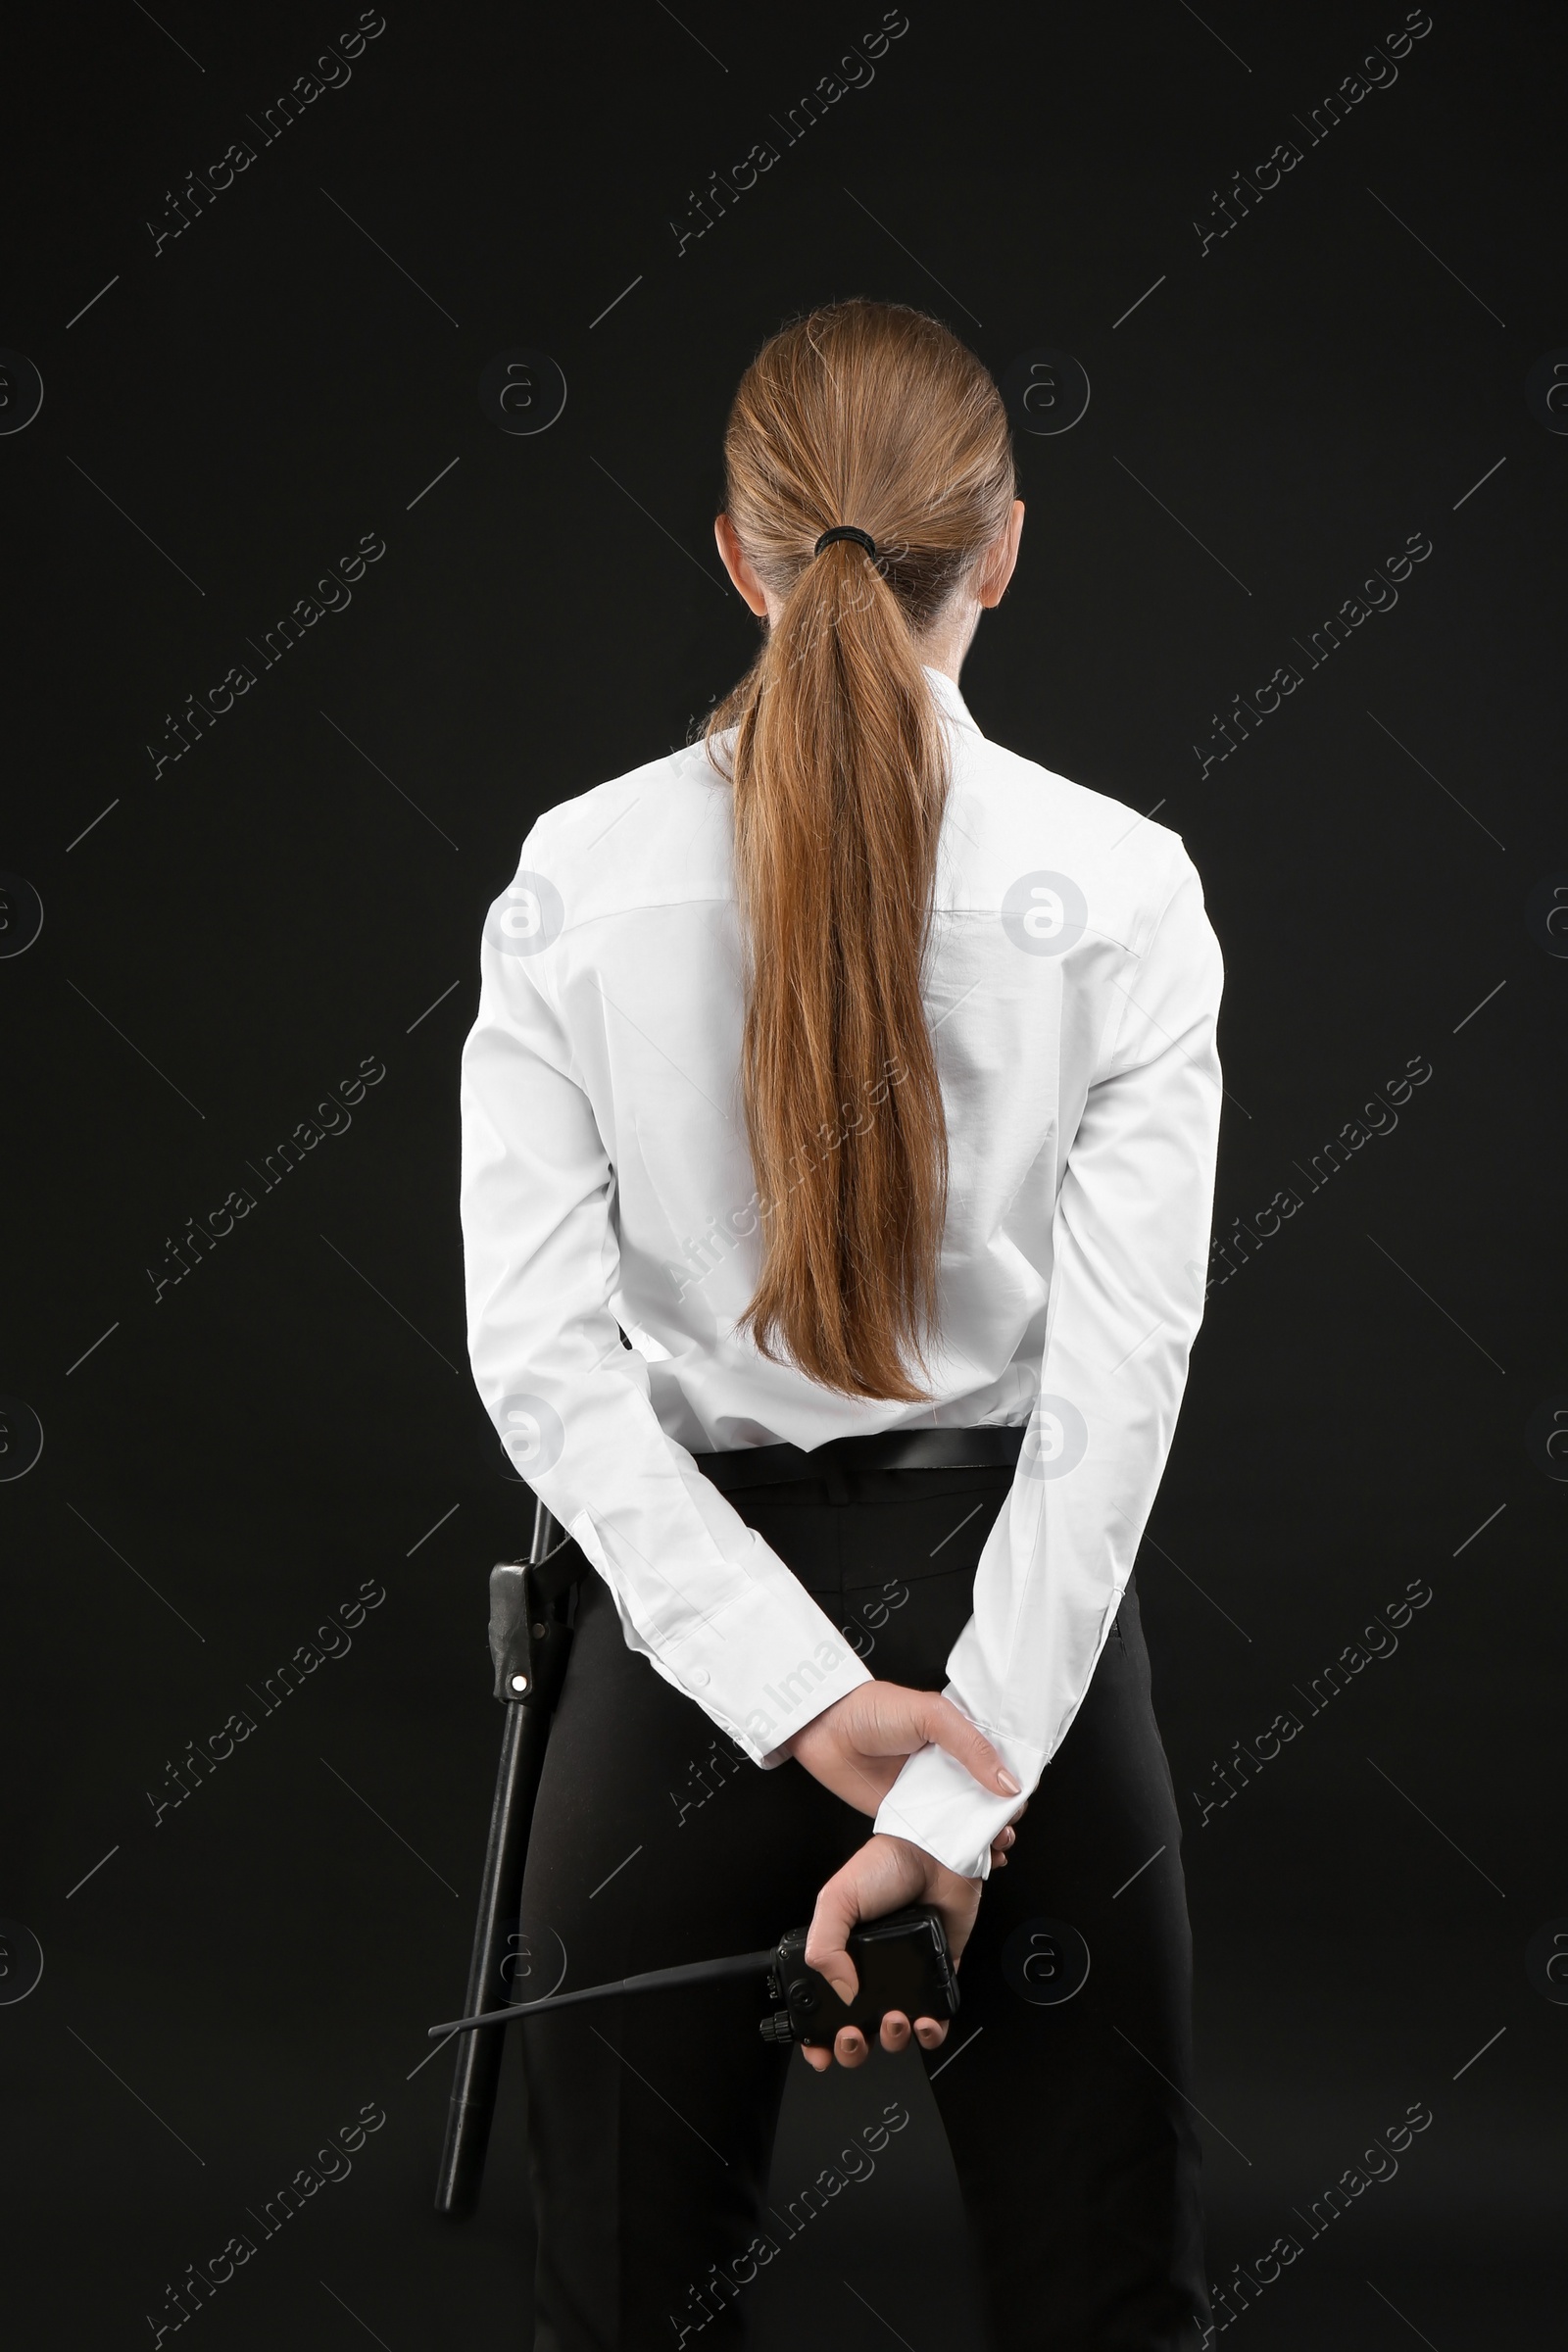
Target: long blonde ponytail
{"points": [[873, 414]]}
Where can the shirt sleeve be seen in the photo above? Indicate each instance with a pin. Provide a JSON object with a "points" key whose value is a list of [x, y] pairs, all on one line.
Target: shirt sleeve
{"points": [[699, 1593], [1130, 1237]]}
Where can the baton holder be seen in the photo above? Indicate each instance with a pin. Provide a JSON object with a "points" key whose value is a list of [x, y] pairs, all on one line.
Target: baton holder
{"points": [[533, 1613]]}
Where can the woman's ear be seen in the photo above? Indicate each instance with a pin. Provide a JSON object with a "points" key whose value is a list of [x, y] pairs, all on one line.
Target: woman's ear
{"points": [[747, 583], [992, 584]]}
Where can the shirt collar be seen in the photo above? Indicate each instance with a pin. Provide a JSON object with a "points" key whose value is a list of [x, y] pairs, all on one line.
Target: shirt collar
{"points": [[950, 699]]}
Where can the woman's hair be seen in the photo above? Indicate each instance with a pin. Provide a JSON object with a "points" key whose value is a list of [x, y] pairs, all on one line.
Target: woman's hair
{"points": [[874, 414]]}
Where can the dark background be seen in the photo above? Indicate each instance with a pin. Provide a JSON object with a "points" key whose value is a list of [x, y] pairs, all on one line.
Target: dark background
{"points": [[225, 942]]}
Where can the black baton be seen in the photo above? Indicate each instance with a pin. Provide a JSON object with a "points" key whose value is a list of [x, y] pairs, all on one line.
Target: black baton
{"points": [[533, 1612]]}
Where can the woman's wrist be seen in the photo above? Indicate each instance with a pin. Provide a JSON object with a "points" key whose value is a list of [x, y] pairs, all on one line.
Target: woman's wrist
{"points": [[791, 1746], [934, 1868]]}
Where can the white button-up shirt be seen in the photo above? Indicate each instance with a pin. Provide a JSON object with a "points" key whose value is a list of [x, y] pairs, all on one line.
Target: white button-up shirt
{"points": [[1072, 985]]}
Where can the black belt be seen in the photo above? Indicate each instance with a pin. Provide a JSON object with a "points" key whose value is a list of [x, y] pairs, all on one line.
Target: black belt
{"points": [[879, 1449]]}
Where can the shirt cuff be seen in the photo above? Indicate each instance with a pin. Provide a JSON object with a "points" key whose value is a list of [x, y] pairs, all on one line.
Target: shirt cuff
{"points": [[761, 1666], [938, 1804], [766, 1703]]}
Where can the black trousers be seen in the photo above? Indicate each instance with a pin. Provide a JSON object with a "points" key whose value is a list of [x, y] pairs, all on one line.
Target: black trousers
{"points": [[655, 1841]]}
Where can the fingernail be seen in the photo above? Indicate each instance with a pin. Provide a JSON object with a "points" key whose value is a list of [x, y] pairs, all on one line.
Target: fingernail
{"points": [[1004, 1779]]}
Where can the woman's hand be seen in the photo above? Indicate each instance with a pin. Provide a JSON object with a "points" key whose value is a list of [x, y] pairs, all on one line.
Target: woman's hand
{"points": [[887, 1873], [867, 1886], [858, 1746]]}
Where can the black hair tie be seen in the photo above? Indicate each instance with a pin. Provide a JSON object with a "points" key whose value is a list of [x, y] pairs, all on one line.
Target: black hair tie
{"points": [[847, 530]]}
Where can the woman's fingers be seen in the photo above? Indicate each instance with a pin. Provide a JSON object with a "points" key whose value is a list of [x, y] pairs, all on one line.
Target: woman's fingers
{"points": [[851, 2047], [837, 1912], [888, 1719], [945, 1728]]}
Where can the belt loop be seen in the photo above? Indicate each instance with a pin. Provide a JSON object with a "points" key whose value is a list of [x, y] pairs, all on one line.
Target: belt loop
{"points": [[838, 1486]]}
